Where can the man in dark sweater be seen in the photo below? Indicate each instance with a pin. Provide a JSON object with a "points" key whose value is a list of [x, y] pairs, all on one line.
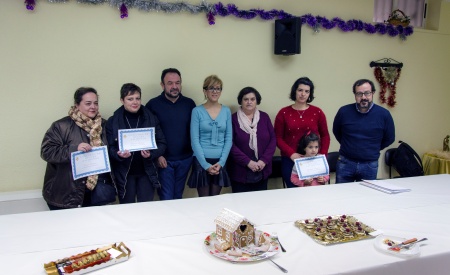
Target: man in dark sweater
{"points": [[174, 113], [363, 130]]}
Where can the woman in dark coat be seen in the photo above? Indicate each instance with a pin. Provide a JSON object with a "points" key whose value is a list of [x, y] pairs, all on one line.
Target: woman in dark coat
{"points": [[82, 130], [135, 173]]}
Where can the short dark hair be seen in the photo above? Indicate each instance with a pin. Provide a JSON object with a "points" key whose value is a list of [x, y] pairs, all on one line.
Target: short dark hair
{"points": [[80, 92], [305, 140], [361, 82], [249, 90], [169, 70], [129, 89], [305, 81]]}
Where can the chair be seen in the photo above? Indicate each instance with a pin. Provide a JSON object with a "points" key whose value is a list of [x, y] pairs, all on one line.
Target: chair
{"points": [[332, 159], [388, 159], [276, 169]]}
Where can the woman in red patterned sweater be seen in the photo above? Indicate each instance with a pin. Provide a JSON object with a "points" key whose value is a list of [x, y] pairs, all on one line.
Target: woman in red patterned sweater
{"points": [[293, 121]]}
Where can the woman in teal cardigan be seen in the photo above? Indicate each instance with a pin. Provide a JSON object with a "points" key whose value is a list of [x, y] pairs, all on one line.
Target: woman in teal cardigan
{"points": [[211, 140]]}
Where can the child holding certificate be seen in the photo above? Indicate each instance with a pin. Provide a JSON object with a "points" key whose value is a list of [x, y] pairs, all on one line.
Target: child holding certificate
{"points": [[308, 147]]}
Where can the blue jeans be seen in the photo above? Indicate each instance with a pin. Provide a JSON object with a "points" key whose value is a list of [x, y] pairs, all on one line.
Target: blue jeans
{"points": [[173, 179], [348, 170], [286, 170]]}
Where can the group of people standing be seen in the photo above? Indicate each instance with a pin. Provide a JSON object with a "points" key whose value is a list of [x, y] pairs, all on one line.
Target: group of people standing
{"points": [[218, 148]]}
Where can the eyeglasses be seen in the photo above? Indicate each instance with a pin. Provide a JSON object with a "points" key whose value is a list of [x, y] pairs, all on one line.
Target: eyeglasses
{"points": [[366, 94], [212, 89]]}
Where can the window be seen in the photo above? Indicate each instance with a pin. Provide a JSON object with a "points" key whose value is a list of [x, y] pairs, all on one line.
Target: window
{"points": [[415, 9]]}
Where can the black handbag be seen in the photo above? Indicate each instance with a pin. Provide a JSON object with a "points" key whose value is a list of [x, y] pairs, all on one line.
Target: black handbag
{"points": [[253, 177], [103, 193]]}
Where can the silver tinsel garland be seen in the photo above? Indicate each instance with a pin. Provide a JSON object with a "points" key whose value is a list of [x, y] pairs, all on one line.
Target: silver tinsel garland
{"points": [[149, 5]]}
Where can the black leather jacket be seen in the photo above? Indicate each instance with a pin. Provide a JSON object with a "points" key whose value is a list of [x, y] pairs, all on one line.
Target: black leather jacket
{"points": [[60, 140], [121, 166]]}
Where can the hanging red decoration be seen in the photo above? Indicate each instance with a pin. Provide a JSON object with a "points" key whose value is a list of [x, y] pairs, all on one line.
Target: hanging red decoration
{"points": [[388, 81]]}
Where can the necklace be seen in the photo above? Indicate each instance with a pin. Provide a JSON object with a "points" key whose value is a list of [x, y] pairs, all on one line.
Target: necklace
{"points": [[137, 124], [301, 114]]}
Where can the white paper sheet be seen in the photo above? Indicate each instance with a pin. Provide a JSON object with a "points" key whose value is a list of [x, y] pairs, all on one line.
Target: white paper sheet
{"points": [[90, 163], [137, 139], [312, 167]]}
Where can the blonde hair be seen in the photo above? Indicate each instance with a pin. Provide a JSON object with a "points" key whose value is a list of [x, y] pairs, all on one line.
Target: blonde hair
{"points": [[211, 81]]}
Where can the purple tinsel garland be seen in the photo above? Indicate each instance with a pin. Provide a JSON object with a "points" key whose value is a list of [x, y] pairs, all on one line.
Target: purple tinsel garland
{"points": [[123, 11], [314, 22], [30, 4]]}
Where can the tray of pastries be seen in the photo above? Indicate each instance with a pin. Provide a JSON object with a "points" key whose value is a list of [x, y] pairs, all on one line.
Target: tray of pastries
{"points": [[335, 229], [89, 261]]}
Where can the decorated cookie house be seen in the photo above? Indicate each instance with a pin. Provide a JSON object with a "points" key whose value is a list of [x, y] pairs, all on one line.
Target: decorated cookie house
{"points": [[234, 230]]}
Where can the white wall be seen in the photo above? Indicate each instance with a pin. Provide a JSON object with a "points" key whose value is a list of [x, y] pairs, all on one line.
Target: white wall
{"points": [[50, 52]]}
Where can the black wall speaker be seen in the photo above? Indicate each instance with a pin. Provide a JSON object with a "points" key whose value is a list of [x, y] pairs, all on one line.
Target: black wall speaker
{"points": [[287, 36]]}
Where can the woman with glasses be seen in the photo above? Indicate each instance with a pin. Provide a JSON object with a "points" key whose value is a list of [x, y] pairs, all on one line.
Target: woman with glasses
{"points": [[211, 139], [295, 120]]}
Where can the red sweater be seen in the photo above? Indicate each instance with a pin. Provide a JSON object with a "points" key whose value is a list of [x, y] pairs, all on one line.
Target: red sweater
{"points": [[289, 128]]}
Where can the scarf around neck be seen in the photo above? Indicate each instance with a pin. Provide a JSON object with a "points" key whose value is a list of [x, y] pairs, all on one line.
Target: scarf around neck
{"points": [[250, 127], [94, 128]]}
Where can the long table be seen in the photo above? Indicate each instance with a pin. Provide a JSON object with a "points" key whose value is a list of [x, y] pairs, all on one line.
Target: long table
{"points": [[167, 237]]}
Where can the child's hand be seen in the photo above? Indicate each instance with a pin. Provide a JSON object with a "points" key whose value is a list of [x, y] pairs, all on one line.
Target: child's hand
{"points": [[320, 179], [308, 181]]}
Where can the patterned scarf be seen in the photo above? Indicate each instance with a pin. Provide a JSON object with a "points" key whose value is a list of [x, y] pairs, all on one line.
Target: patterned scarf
{"points": [[94, 128], [250, 127]]}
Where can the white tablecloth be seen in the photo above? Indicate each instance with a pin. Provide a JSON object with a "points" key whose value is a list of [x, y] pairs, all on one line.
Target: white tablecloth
{"points": [[166, 237]]}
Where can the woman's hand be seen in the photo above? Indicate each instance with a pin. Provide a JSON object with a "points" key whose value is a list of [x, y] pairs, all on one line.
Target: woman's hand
{"points": [[124, 154], [214, 169], [261, 165], [145, 153], [252, 165], [84, 147], [295, 156]]}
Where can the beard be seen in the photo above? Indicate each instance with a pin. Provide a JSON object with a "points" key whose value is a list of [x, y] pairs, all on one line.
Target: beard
{"points": [[364, 104], [169, 94]]}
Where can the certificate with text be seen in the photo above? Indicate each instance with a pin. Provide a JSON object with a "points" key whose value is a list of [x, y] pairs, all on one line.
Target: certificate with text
{"points": [[90, 163], [137, 139], [312, 167]]}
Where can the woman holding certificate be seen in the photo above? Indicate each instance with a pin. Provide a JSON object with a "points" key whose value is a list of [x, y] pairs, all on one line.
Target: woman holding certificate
{"points": [[134, 170], [211, 141], [82, 130], [293, 121], [254, 144]]}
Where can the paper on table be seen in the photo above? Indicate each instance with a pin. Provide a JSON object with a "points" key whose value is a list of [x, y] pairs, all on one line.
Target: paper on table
{"points": [[384, 186]]}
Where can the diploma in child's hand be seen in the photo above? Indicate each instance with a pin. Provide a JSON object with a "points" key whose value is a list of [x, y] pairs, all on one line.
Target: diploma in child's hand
{"points": [[312, 167]]}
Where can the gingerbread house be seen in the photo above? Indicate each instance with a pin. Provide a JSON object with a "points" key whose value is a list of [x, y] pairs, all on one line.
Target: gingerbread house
{"points": [[234, 230]]}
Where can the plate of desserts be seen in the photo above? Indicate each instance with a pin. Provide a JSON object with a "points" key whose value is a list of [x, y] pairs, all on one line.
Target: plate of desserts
{"points": [[335, 229], [264, 246]]}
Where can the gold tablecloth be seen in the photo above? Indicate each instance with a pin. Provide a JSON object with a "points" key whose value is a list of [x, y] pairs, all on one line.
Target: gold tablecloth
{"points": [[435, 165]]}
